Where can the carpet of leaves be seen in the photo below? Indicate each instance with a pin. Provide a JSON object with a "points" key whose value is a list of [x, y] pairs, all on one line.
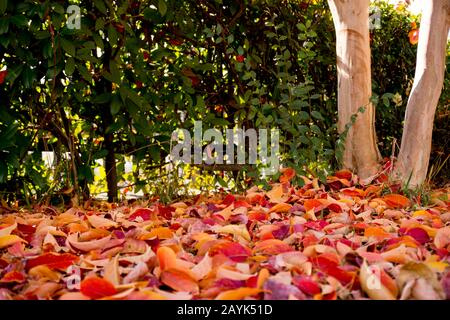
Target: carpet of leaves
{"points": [[338, 240]]}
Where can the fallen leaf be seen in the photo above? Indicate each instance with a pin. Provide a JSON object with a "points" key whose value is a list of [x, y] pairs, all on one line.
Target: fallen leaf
{"points": [[6, 241], [52, 261], [179, 281], [396, 201], [238, 294], [97, 288]]}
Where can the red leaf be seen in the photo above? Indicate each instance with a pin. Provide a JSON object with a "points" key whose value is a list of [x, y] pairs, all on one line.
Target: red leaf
{"points": [[13, 276], [3, 75], [52, 260], [325, 261], [97, 288], [344, 174], [241, 203], [3, 264], [252, 282], [240, 58], [334, 207], [419, 234], [165, 212], [282, 232], [316, 225], [229, 199], [144, 213], [26, 229], [175, 42], [341, 275], [233, 250], [307, 285]]}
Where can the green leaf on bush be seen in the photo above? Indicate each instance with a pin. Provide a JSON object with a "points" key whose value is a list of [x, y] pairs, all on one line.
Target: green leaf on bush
{"points": [[3, 5], [70, 66], [162, 7], [115, 105], [68, 47]]}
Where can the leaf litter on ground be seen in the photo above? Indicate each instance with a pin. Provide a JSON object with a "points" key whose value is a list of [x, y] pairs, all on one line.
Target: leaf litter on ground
{"points": [[338, 240]]}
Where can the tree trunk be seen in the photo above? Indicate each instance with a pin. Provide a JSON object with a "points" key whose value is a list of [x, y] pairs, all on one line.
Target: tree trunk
{"points": [[111, 169], [107, 120], [412, 164], [351, 21]]}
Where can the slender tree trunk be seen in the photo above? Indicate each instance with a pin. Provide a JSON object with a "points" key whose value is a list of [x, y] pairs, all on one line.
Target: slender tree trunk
{"points": [[110, 159], [412, 164], [351, 21], [111, 169]]}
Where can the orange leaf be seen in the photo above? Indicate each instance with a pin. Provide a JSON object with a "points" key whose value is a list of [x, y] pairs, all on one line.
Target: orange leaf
{"points": [[272, 247], [258, 216], [179, 281], [287, 175], [396, 201], [161, 233], [376, 232], [263, 275], [311, 204], [372, 190], [277, 195], [166, 258], [353, 192], [97, 288], [280, 207], [388, 282]]}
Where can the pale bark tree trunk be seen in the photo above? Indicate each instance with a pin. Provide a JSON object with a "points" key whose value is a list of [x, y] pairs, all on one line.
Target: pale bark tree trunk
{"points": [[351, 21], [412, 163]]}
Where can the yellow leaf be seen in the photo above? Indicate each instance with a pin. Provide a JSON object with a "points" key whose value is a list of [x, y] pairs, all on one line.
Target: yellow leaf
{"points": [[238, 294], [44, 272], [7, 230], [237, 230], [6, 241], [439, 266], [422, 213]]}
